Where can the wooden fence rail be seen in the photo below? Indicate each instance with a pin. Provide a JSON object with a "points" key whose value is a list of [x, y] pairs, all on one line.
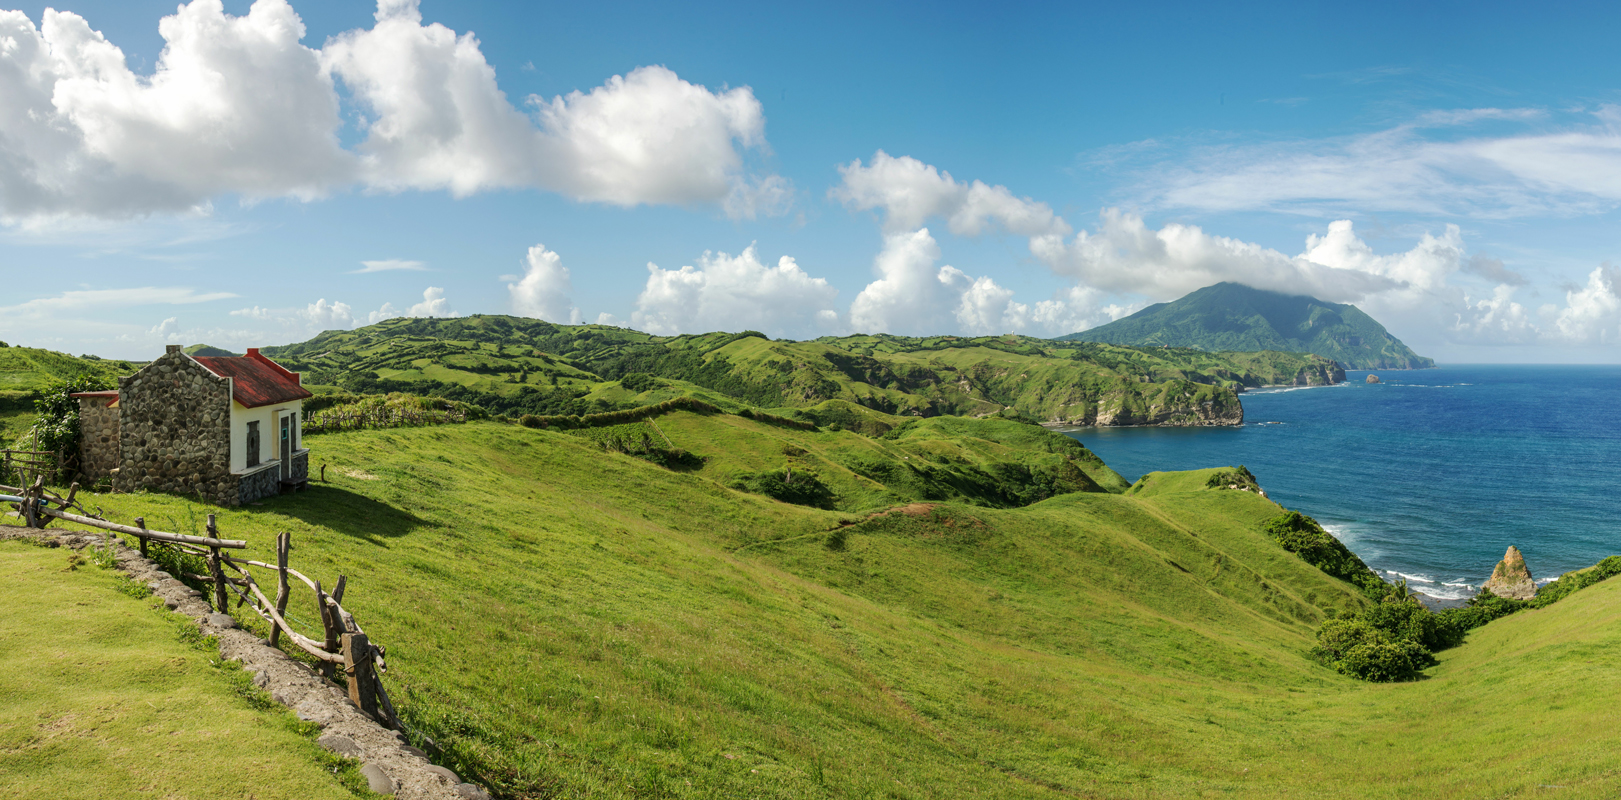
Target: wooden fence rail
{"points": [[328, 422], [27, 463], [343, 642]]}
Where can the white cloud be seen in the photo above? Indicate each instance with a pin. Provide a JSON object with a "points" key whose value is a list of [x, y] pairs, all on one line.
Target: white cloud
{"points": [[735, 293], [390, 265], [433, 304], [327, 316], [1592, 313], [79, 301], [439, 120], [544, 290], [911, 192], [914, 297], [1495, 319], [237, 105], [388, 311], [1556, 170], [1125, 255]]}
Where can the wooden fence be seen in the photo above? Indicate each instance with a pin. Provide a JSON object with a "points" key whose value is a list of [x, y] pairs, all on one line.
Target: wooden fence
{"points": [[342, 644], [25, 464], [322, 422]]}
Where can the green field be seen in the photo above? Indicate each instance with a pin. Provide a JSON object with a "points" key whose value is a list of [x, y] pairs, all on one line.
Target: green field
{"points": [[567, 621], [101, 696]]}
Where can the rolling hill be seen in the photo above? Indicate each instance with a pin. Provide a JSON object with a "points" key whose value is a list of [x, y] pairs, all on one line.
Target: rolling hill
{"points": [[567, 620], [513, 366], [1231, 316]]}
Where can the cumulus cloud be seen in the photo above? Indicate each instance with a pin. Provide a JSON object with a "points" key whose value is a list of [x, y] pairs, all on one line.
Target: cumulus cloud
{"points": [[913, 296], [1556, 169], [238, 105], [733, 293], [235, 104], [1592, 313], [434, 304], [1125, 255], [388, 311], [911, 192], [543, 291], [439, 120]]}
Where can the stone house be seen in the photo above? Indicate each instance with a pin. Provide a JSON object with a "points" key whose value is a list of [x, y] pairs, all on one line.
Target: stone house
{"points": [[229, 429]]}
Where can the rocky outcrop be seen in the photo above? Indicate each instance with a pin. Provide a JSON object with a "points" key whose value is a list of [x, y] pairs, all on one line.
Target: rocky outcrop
{"points": [[1374, 379], [1321, 374], [1511, 578]]}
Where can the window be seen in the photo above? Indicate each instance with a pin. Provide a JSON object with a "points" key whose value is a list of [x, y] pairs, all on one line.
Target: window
{"points": [[253, 444]]}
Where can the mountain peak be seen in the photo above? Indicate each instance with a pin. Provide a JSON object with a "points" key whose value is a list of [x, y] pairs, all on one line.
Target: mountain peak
{"points": [[1234, 317]]}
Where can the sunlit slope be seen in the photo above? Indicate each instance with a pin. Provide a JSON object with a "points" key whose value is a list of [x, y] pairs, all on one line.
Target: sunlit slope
{"points": [[569, 622], [514, 365], [99, 699]]}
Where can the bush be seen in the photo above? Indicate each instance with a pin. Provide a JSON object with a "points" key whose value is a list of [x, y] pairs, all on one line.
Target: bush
{"points": [[639, 382], [1572, 581], [1362, 649], [800, 487], [1301, 535]]}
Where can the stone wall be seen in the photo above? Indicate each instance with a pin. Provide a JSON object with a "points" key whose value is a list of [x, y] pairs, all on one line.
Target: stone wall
{"points": [[98, 438], [174, 430], [255, 485], [301, 466]]}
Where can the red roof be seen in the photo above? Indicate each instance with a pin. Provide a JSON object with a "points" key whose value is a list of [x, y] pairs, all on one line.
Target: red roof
{"points": [[256, 380], [102, 393]]}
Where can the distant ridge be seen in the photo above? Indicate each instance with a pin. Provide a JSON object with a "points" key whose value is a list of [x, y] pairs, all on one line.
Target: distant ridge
{"points": [[209, 351], [1235, 317]]}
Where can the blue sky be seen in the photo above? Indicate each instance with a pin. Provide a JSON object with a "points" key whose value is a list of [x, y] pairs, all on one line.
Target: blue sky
{"points": [[204, 174]]}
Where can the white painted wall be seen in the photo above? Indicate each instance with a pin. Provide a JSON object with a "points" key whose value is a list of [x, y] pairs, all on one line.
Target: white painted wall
{"points": [[269, 419]]}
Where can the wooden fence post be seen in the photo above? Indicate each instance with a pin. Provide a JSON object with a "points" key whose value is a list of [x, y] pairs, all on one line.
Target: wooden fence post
{"points": [[283, 542], [214, 569], [140, 522], [331, 640], [357, 664]]}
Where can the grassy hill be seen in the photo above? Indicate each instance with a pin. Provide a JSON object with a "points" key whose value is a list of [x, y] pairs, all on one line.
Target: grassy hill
{"points": [[1231, 316], [569, 621], [112, 703], [514, 365], [26, 370]]}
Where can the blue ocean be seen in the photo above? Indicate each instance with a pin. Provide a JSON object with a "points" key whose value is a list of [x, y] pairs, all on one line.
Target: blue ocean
{"points": [[1430, 475]]}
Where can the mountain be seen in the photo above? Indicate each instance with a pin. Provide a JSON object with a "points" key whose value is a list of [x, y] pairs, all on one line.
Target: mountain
{"points": [[513, 366], [1232, 316]]}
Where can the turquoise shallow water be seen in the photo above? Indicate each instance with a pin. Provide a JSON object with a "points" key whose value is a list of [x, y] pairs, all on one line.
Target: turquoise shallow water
{"points": [[1430, 475]]}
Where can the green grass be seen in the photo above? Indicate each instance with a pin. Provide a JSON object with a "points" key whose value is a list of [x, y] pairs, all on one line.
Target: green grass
{"points": [[103, 696], [514, 366], [568, 622]]}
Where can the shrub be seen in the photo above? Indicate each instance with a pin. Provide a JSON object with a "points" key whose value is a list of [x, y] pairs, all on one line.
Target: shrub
{"points": [[800, 487], [639, 382], [1361, 649], [1301, 535], [1572, 581]]}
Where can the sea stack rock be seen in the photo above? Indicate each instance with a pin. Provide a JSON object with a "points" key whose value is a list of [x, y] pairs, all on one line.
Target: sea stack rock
{"points": [[1511, 578], [1374, 379]]}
